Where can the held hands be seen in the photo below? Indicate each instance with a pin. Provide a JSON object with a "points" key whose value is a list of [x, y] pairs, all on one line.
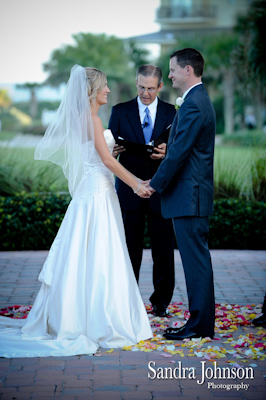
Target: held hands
{"points": [[148, 186], [144, 189], [160, 151]]}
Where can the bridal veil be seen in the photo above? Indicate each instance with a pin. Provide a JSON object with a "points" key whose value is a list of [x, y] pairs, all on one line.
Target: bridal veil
{"points": [[70, 129]]}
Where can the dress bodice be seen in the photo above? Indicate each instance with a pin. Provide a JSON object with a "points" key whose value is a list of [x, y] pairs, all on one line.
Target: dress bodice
{"points": [[90, 156], [97, 177]]}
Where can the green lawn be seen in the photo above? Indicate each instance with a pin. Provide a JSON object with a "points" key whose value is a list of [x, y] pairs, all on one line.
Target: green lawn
{"points": [[7, 135], [235, 169]]}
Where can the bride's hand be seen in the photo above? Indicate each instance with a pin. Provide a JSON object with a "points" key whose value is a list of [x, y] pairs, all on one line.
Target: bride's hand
{"points": [[144, 191], [141, 190]]}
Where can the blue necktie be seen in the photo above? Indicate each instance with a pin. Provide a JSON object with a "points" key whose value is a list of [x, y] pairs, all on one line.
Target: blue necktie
{"points": [[147, 126]]}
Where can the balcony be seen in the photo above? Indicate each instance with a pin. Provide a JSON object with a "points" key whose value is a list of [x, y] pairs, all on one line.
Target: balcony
{"points": [[182, 14]]}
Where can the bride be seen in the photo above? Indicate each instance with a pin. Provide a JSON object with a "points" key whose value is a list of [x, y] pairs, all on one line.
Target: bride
{"points": [[89, 296]]}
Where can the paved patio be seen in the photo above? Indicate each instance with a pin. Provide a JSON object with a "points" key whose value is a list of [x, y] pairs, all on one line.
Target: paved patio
{"points": [[240, 278]]}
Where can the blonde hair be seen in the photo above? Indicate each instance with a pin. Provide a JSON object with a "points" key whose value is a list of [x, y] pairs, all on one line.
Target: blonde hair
{"points": [[95, 83]]}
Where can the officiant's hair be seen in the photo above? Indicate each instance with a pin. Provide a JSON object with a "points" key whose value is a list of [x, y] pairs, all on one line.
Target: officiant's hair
{"points": [[190, 57], [150, 70], [95, 82]]}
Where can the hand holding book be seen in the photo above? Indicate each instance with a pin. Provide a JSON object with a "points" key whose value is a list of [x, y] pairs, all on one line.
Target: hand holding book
{"points": [[155, 149]]}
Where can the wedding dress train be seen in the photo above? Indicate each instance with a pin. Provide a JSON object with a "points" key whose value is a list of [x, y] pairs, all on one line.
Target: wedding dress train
{"points": [[89, 295]]}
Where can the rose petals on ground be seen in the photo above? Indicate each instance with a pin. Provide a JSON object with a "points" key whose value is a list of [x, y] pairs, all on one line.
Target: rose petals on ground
{"points": [[232, 322]]}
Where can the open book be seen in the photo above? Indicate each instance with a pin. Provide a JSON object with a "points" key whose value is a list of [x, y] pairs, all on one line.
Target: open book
{"points": [[142, 149]]}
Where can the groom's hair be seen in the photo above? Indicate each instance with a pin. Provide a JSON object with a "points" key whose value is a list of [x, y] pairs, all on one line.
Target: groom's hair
{"points": [[150, 70], [190, 57]]}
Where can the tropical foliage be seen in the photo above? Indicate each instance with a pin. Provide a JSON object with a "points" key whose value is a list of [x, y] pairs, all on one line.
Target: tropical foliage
{"points": [[33, 99], [110, 54], [19, 172], [250, 56], [235, 65], [236, 169], [251, 49]]}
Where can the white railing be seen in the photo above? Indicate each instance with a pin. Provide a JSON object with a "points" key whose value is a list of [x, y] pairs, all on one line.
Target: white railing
{"points": [[178, 12]]}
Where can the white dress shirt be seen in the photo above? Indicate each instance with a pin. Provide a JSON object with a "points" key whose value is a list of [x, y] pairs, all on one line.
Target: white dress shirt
{"points": [[186, 92], [152, 109]]}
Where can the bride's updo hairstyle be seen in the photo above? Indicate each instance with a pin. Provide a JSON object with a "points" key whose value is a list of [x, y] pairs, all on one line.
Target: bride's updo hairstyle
{"points": [[96, 82]]}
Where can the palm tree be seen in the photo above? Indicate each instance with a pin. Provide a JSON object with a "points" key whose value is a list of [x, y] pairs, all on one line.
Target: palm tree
{"points": [[100, 51], [219, 65], [116, 58], [33, 99], [219, 68], [250, 55]]}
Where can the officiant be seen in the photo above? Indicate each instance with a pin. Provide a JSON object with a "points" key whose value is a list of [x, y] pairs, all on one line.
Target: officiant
{"points": [[146, 120]]}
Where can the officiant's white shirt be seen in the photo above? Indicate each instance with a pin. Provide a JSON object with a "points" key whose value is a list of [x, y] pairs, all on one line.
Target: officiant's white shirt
{"points": [[152, 109]]}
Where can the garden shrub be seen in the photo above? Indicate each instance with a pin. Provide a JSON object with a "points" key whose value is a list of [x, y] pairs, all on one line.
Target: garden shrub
{"points": [[31, 221], [258, 178], [238, 224]]}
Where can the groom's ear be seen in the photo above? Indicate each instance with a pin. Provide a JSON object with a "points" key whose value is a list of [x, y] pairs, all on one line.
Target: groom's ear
{"points": [[189, 70]]}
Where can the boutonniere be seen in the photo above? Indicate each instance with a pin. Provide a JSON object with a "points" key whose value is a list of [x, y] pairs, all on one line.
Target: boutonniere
{"points": [[178, 103]]}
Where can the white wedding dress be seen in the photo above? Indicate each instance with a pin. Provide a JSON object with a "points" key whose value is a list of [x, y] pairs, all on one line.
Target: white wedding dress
{"points": [[89, 295]]}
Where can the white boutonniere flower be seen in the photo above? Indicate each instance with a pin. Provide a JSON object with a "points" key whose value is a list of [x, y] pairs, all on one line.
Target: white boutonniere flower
{"points": [[178, 103]]}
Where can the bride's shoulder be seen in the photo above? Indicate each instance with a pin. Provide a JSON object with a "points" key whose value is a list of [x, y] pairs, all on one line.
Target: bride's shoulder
{"points": [[96, 119], [97, 123]]}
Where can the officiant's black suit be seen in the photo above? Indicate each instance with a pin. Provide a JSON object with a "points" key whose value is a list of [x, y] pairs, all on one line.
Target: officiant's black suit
{"points": [[125, 122]]}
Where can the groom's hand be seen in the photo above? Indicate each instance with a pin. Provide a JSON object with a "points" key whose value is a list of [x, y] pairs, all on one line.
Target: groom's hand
{"points": [[148, 186]]}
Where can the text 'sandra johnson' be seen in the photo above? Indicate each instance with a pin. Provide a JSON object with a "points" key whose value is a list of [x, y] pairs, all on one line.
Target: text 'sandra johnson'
{"points": [[214, 372]]}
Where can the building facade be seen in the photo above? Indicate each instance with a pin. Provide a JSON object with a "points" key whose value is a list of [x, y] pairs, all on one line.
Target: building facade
{"points": [[180, 19]]}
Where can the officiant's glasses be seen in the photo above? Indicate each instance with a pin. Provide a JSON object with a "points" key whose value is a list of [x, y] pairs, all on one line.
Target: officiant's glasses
{"points": [[142, 89]]}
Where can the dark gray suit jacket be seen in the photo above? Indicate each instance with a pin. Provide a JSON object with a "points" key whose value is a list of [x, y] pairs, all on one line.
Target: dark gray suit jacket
{"points": [[185, 177]]}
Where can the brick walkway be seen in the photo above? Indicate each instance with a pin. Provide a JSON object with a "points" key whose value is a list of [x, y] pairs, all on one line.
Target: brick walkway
{"points": [[240, 278]]}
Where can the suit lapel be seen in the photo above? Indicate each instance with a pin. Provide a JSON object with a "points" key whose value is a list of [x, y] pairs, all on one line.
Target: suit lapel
{"points": [[160, 121], [173, 130], [134, 121], [174, 125]]}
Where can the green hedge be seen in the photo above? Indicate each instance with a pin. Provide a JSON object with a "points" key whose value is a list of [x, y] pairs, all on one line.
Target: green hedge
{"points": [[31, 221], [238, 224]]}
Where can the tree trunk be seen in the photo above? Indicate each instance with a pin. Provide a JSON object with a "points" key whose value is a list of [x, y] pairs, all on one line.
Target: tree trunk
{"points": [[33, 104], [228, 88], [259, 109]]}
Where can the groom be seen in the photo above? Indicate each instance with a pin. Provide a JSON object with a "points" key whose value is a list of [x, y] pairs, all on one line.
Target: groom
{"points": [[185, 182]]}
